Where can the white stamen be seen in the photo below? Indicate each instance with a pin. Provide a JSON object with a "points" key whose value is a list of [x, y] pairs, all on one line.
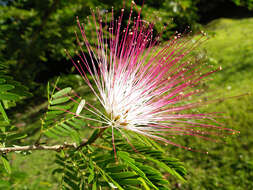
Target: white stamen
{"points": [[80, 107]]}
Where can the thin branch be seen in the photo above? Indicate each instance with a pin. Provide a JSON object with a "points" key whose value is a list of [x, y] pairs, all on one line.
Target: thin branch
{"points": [[53, 147], [93, 139], [37, 147]]}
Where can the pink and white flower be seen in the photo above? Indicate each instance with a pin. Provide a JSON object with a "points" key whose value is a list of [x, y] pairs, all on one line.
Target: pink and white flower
{"points": [[143, 87]]}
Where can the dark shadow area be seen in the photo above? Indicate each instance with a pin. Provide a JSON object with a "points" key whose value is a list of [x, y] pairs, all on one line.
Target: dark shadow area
{"points": [[210, 10]]}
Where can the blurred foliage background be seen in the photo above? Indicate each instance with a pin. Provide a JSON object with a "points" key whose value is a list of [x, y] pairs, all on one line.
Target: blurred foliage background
{"points": [[34, 34]]}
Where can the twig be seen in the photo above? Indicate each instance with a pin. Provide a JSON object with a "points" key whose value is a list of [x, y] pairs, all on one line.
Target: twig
{"points": [[37, 147], [57, 148], [84, 142], [93, 139]]}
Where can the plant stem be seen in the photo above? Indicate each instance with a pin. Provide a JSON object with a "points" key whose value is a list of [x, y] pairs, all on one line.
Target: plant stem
{"points": [[93, 138], [57, 148], [37, 147]]}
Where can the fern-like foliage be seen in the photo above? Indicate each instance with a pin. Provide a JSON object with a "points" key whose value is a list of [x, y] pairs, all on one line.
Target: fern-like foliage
{"points": [[11, 91], [62, 118], [57, 122], [95, 167]]}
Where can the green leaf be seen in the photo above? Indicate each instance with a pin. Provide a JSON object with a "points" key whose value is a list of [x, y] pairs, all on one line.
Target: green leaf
{"points": [[144, 183], [116, 169], [109, 180], [50, 134], [131, 163], [48, 91], [72, 175], [62, 92], [5, 87], [67, 127], [158, 147], [59, 130], [2, 81], [130, 182], [166, 168], [9, 96], [59, 100], [6, 164], [125, 156], [4, 114], [16, 136], [21, 90], [76, 137], [130, 187], [70, 183], [54, 113], [60, 108], [94, 186], [91, 176], [123, 175], [76, 125]]}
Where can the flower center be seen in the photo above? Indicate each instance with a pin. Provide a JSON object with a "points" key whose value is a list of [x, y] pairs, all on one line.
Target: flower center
{"points": [[119, 121]]}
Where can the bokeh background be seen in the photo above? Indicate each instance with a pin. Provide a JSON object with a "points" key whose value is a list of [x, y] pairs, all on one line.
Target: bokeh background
{"points": [[34, 34]]}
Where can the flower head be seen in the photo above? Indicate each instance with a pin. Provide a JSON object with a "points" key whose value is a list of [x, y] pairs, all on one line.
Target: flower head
{"points": [[143, 87]]}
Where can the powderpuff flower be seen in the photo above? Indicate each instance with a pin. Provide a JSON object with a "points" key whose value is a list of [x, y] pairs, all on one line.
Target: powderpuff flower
{"points": [[142, 87]]}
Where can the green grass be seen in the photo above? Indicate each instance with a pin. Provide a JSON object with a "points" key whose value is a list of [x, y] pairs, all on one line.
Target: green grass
{"points": [[229, 164], [34, 171], [231, 47]]}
